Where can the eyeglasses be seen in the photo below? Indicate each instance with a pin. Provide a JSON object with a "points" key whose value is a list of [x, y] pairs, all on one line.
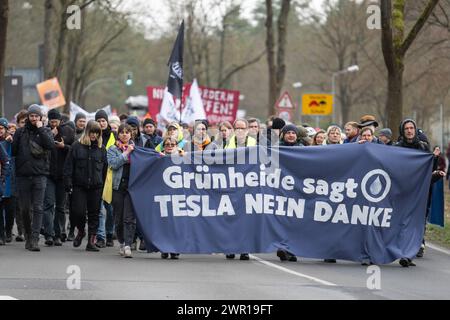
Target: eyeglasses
{"points": [[170, 145], [240, 128], [201, 129]]}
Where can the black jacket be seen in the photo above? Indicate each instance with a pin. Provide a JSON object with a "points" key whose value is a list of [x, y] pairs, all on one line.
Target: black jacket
{"points": [[58, 156], [28, 164], [84, 166]]}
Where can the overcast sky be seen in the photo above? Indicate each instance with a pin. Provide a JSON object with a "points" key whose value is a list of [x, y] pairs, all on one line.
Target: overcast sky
{"points": [[154, 14]]}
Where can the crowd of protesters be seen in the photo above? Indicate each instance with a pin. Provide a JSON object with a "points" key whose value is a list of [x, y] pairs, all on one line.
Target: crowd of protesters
{"points": [[52, 168]]}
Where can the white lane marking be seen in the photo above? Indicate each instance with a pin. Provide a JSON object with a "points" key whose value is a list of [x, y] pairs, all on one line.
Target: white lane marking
{"points": [[298, 274], [440, 249], [7, 298]]}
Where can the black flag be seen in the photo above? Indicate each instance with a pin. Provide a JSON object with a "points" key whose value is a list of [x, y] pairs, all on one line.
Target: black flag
{"points": [[175, 82]]}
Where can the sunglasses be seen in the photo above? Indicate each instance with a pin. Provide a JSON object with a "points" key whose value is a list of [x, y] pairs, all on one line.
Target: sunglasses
{"points": [[170, 145]]}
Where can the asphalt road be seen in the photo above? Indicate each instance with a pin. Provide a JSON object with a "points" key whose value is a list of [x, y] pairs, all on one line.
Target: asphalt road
{"points": [[106, 275]]}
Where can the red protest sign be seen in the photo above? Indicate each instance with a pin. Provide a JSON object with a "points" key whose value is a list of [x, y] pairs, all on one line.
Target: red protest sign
{"points": [[155, 97], [220, 104]]}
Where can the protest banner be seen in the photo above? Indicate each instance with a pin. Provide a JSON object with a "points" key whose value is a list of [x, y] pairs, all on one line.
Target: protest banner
{"points": [[328, 207]]}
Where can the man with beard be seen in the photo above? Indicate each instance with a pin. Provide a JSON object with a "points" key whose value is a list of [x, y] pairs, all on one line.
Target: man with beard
{"points": [[31, 147], [409, 139]]}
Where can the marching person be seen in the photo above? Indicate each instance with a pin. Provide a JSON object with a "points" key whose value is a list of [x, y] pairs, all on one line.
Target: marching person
{"points": [[288, 138], [409, 139], [119, 161], [171, 148], [31, 147], [55, 197], [84, 177], [351, 131], [240, 137], [7, 200], [106, 221], [319, 138], [175, 131], [151, 139], [385, 136], [80, 124], [224, 135], [200, 140], [334, 135]]}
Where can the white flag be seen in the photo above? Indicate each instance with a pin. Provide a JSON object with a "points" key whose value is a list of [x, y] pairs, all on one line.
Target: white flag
{"points": [[169, 108], [74, 109], [194, 109]]}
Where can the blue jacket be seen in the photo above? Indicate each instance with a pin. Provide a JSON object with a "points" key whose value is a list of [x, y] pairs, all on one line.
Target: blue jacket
{"points": [[116, 161], [7, 185]]}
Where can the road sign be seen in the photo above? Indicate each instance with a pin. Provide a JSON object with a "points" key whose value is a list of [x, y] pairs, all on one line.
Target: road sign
{"points": [[285, 102], [51, 93], [285, 107], [319, 104]]}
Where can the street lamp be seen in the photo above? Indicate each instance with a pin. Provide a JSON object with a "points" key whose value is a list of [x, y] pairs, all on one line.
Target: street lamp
{"points": [[353, 68]]}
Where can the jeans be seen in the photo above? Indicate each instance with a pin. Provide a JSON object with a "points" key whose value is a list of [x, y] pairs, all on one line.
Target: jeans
{"points": [[31, 193], [85, 200], [54, 201], [106, 211], [7, 214], [19, 221], [125, 218]]}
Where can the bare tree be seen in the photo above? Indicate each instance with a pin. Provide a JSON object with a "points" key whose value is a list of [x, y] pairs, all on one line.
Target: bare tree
{"points": [[4, 9], [395, 46], [277, 70]]}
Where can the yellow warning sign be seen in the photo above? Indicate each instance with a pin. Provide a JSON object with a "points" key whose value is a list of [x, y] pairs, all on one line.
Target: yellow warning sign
{"points": [[317, 104]]}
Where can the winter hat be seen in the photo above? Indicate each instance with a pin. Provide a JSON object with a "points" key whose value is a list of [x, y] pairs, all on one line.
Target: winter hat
{"points": [[290, 127], [386, 132], [133, 121], [54, 114], [4, 123], [149, 121], [79, 116], [278, 123], [367, 120], [311, 131], [114, 120], [101, 114], [34, 108]]}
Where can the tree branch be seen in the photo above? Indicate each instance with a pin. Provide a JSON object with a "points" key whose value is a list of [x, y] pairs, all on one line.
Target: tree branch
{"points": [[242, 66], [418, 26]]}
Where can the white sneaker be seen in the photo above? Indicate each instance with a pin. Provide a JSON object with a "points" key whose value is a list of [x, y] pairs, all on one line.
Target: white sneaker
{"points": [[121, 249], [127, 252]]}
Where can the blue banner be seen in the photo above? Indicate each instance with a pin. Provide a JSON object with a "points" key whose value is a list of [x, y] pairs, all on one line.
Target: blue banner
{"points": [[351, 202], [436, 215]]}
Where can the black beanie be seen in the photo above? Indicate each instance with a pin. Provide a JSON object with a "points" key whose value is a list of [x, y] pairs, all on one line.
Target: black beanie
{"points": [[290, 127], [278, 123], [149, 121], [101, 114], [79, 116], [54, 114]]}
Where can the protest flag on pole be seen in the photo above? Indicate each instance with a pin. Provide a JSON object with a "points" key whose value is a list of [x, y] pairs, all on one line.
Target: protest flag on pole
{"points": [[175, 81]]}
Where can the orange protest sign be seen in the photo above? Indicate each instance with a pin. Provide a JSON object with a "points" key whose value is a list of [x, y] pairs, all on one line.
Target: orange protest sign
{"points": [[51, 94]]}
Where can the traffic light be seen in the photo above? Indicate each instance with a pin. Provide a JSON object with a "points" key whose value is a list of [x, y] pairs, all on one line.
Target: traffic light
{"points": [[129, 79]]}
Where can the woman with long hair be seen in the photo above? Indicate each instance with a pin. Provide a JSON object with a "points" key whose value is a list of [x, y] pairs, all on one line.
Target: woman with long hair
{"points": [[119, 162], [84, 178]]}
